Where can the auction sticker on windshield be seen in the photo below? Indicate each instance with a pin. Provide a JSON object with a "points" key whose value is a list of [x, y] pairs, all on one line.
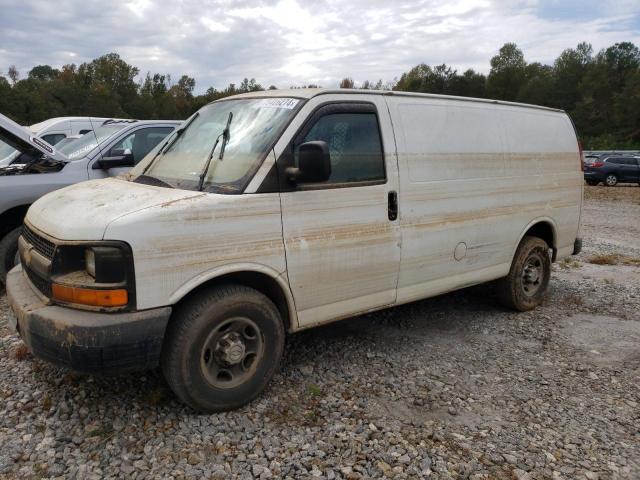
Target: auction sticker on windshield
{"points": [[288, 103]]}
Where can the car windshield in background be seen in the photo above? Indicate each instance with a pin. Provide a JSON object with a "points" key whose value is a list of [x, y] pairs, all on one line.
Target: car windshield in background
{"points": [[7, 153], [85, 144], [255, 126]]}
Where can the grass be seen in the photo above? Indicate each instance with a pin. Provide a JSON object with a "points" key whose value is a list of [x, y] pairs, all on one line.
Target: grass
{"points": [[314, 390], [569, 262], [613, 259]]}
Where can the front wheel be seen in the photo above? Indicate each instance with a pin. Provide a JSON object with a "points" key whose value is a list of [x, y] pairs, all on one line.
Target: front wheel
{"points": [[525, 286], [9, 256], [611, 180], [222, 347]]}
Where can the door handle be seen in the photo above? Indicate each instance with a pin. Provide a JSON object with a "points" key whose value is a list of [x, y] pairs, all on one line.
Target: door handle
{"points": [[392, 206]]}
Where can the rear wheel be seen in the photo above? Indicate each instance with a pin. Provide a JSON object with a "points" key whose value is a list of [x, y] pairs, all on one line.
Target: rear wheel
{"points": [[593, 183], [9, 256], [611, 180], [222, 347], [525, 286]]}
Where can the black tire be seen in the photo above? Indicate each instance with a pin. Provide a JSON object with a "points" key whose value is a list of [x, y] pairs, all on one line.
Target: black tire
{"points": [[611, 180], [9, 252], [522, 290], [198, 342], [593, 183]]}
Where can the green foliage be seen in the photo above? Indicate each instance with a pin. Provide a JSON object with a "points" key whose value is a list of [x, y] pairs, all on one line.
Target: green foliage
{"points": [[601, 93], [104, 87]]}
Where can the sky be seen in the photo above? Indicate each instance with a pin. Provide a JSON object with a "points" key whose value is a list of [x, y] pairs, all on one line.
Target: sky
{"points": [[296, 42]]}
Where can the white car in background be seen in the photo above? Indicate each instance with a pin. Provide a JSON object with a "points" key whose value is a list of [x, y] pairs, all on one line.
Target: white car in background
{"points": [[111, 149], [53, 131]]}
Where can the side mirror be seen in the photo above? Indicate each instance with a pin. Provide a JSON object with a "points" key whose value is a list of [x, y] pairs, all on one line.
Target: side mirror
{"points": [[314, 163], [117, 158]]}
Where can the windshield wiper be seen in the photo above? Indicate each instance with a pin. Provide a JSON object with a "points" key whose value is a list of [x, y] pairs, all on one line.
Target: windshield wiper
{"points": [[225, 139], [171, 139]]}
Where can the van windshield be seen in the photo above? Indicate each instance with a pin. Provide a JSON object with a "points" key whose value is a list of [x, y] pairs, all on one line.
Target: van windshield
{"points": [[255, 126], [82, 146]]}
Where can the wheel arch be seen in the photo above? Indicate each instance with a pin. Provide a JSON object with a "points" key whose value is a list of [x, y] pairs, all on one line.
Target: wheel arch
{"points": [[12, 218], [264, 279], [544, 228]]}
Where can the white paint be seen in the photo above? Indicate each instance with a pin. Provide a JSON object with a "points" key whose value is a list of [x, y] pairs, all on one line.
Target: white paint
{"points": [[471, 177]]}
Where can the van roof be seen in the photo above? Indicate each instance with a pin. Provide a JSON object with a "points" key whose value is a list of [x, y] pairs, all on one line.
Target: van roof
{"points": [[308, 93], [36, 127]]}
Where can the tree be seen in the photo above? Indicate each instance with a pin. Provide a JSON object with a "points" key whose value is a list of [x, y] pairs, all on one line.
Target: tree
{"points": [[469, 84], [13, 74], [569, 70], [538, 87], [347, 82], [508, 73], [44, 73]]}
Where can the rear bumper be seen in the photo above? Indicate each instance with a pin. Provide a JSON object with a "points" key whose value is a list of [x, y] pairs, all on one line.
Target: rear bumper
{"points": [[85, 341], [594, 176]]}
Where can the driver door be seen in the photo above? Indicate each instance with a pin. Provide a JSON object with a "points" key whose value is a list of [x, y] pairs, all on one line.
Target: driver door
{"points": [[341, 236]]}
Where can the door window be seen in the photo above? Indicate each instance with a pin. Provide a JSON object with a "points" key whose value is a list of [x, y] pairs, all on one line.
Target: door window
{"points": [[354, 145], [140, 142], [53, 138]]}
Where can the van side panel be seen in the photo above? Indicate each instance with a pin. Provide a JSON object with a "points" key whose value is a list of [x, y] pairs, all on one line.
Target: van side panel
{"points": [[473, 176]]}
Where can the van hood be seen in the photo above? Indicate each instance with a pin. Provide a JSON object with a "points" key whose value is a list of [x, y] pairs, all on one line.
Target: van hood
{"points": [[83, 211]]}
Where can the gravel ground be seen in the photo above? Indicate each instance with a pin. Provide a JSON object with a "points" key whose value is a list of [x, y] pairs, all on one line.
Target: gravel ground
{"points": [[450, 387]]}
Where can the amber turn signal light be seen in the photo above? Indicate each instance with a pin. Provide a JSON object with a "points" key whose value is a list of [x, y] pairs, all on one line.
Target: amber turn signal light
{"points": [[87, 296]]}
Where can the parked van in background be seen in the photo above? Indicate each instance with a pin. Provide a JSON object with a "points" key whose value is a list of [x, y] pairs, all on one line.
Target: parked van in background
{"points": [[55, 129], [278, 211], [111, 149]]}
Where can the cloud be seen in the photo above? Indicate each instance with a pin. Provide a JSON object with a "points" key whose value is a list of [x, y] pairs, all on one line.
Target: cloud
{"points": [[293, 42]]}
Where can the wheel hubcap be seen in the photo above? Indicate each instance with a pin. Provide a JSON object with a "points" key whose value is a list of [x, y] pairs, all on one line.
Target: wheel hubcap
{"points": [[532, 274], [232, 352], [611, 180], [230, 349]]}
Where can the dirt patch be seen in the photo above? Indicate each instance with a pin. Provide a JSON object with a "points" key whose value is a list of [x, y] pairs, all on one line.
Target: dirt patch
{"points": [[605, 340]]}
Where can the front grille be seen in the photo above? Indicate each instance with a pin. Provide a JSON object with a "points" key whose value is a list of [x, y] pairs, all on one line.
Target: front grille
{"points": [[40, 283], [40, 244]]}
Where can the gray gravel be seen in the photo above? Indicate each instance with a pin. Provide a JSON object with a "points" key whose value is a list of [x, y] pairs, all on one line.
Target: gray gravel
{"points": [[450, 387]]}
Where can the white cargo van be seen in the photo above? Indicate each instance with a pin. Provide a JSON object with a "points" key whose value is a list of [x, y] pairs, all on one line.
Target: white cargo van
{"points": [[273, 212]]}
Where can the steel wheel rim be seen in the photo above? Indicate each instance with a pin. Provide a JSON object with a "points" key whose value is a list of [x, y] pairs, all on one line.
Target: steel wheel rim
{"points": [[611, 180], [231, 353], [532, 274]]}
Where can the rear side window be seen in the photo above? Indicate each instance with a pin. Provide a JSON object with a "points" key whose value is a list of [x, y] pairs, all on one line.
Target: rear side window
{"points": [[622, 161], [53, 138], [354, 144], [82, 132]]}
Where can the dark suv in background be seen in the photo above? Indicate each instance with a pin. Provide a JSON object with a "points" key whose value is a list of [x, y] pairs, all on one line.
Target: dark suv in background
{"points": [[613, 170]]}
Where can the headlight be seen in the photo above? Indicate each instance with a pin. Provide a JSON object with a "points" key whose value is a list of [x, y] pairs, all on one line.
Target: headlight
{"points": [[90, 261], [106, 264], [97, 275]]}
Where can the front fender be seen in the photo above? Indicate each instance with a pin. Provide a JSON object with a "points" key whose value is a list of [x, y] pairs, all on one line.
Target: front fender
{"points": [[218, 272]]}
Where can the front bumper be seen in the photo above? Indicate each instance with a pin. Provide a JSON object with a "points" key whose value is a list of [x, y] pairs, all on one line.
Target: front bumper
{"points": [[82, 340]]}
